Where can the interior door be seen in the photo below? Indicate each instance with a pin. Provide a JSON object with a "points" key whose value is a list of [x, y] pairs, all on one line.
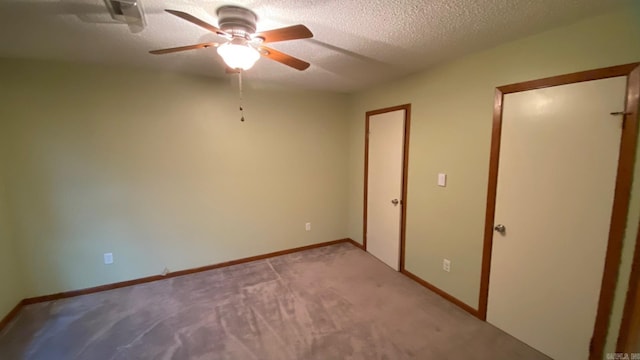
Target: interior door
{"points": [[384, 185], [559, 154]]}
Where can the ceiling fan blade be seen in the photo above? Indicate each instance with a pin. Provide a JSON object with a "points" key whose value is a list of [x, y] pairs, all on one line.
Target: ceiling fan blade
{"points": [[194, 20], [283, 58], [183, 48], [288, 33]]}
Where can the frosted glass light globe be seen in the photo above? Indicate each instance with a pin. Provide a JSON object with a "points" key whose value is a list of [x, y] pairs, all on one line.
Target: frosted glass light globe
{"points": [[238, 56]]}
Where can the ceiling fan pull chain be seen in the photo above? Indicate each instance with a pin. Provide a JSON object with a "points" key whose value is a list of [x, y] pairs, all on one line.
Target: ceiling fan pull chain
{"points": [[240, 84]]}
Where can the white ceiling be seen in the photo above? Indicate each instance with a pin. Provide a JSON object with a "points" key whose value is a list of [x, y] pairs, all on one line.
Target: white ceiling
{"points": [[356, 43]]}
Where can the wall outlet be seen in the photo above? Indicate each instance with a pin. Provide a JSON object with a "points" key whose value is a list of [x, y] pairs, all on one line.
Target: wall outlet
{"points": [[307, 226], [108, 258], [446, 265]]}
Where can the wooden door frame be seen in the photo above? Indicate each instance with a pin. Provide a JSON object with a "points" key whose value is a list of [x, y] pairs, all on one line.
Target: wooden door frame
{"points": [[405, 169], [621, 196], [630, 326]]}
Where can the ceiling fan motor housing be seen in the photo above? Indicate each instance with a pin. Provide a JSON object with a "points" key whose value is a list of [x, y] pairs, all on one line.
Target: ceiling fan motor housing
{"points": [[237, 21]]}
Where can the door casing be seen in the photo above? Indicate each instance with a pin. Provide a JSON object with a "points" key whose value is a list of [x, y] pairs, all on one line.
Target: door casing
{"points": [[630, 328], [621, 195], [405, 167]]}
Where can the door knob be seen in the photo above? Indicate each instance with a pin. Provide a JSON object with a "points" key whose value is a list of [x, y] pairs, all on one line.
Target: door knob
{"points": [[500, 228], [395, 202]]}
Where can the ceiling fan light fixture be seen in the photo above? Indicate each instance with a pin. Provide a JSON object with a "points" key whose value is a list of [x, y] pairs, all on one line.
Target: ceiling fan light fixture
{"points": [[245, 46], [238, 56]]}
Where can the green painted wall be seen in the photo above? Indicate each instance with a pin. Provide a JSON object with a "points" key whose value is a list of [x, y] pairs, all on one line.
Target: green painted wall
{"points": [[11, 278], [158, 169], [451, 132]]}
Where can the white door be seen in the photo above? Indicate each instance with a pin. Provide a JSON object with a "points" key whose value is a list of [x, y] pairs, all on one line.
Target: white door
{"points": [[557, 172], [384, 186]]}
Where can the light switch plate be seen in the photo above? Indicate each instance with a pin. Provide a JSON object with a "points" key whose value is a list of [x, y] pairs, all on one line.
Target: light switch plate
{"points": [[108, 258], [442, 179]]}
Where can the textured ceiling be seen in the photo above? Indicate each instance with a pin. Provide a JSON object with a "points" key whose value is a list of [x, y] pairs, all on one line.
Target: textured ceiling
{"points": [[356, 43]]}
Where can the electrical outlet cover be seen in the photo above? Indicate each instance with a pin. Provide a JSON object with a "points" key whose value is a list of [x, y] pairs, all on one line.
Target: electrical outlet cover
{"points": [[446, 265]]}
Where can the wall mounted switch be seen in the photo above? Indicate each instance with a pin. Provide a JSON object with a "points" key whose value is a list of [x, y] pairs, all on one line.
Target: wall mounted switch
{"points": [[442, 179]]}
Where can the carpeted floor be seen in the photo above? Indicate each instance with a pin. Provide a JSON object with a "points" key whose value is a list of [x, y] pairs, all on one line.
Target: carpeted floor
{"points": [[335, 302]]}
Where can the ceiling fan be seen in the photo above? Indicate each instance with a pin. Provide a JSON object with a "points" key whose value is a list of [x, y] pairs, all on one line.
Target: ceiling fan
{"points": [[243, 46]]}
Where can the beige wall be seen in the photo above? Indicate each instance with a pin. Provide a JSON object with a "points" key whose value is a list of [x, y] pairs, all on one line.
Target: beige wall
{"points": [[11, 285], [451, 133], [159, 170]]}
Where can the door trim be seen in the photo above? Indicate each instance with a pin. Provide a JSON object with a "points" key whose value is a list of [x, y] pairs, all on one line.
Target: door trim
{"points": [[621, 196], [630, 326], [405, 169]]}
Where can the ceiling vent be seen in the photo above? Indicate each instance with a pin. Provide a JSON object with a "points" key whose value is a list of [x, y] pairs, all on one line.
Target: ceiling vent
{"points": [[128, 12]]}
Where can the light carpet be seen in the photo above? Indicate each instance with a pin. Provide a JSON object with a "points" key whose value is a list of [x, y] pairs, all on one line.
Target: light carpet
{"points": [[334, 302]]}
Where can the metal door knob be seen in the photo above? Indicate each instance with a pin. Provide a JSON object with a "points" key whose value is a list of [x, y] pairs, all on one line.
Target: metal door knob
{"points": [[500, 228], [395, 202]]}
